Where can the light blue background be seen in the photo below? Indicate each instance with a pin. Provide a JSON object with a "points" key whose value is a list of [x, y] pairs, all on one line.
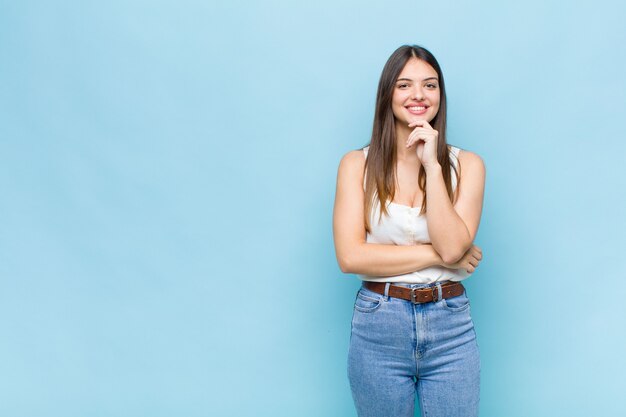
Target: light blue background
{"points": [[167, 172]]}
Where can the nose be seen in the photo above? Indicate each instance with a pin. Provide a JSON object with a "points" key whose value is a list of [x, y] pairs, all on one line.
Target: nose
{"points": [[418, 94]]}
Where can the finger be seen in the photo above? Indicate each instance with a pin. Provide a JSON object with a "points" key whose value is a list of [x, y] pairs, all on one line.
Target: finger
{"points": [[419, 123], [423, 131], [416, 135], [423, 136], [413, 137], [411, 143]]}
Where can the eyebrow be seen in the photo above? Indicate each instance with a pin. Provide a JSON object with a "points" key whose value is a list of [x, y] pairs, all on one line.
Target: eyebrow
{"points": [[408, 79]]}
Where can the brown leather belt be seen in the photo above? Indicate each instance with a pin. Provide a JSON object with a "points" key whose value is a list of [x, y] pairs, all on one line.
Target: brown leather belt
{"points": [[417, 295]]}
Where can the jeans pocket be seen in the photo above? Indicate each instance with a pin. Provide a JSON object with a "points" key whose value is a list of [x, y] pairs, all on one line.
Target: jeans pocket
{"points": [[367, 302], [458, 303]]}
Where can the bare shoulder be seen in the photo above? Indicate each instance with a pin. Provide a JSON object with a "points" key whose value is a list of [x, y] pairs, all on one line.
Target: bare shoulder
{"points": [[353, 162], [354, 157], [471, 160]]}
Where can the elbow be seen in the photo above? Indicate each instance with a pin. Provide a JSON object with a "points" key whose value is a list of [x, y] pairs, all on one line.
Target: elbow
{"points": [[452, 257], [349, 258], [344, 264], [447, 255]]}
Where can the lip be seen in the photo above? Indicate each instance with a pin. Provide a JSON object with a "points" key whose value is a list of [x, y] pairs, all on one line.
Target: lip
{"points": [[417, 113]]}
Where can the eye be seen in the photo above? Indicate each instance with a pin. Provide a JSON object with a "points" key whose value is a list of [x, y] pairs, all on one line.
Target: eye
{"points": [[431, 85], [402, 85]]}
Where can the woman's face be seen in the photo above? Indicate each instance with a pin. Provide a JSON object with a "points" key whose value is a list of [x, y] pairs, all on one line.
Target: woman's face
{"points": [[416, 87]]}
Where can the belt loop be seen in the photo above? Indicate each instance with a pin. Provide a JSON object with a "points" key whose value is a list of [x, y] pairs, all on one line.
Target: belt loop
{"points": [[387, 291], [440, 291]]}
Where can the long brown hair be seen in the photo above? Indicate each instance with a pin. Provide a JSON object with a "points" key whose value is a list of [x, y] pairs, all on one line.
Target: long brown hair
{"points": [[380, 164]]}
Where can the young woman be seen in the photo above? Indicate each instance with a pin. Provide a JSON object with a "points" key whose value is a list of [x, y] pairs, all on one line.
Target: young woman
{"points": [[406, 229]]}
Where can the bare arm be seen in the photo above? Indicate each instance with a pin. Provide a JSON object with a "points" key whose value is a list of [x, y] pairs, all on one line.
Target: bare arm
{"points": [[356, 256], [452, 229]]}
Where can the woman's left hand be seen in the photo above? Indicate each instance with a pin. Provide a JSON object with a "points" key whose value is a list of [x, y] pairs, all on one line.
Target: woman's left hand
{"points": [[426, 138]]}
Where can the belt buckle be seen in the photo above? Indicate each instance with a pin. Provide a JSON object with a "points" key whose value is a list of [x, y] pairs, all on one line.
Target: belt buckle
{"points": [[413, 299]]}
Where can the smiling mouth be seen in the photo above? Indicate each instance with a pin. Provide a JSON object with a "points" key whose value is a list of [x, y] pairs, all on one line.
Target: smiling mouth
{"points": [[417, 109]]}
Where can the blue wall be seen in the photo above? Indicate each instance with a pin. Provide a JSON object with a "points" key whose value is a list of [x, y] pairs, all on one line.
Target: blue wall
{"points": [[167, 175]]}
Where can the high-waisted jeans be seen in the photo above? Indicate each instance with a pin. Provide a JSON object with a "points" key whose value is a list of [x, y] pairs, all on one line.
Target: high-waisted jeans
{"points": [[398, 349]]}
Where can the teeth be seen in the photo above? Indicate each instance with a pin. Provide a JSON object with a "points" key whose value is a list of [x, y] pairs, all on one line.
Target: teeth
{"points": [[417, 108]]}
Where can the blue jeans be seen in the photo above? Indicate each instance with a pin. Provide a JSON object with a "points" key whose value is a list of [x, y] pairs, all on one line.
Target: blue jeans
{"points": [[398, 349]]}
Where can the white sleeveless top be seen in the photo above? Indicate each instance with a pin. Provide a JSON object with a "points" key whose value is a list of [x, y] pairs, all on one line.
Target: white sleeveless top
{"points": [[404, 226]]}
